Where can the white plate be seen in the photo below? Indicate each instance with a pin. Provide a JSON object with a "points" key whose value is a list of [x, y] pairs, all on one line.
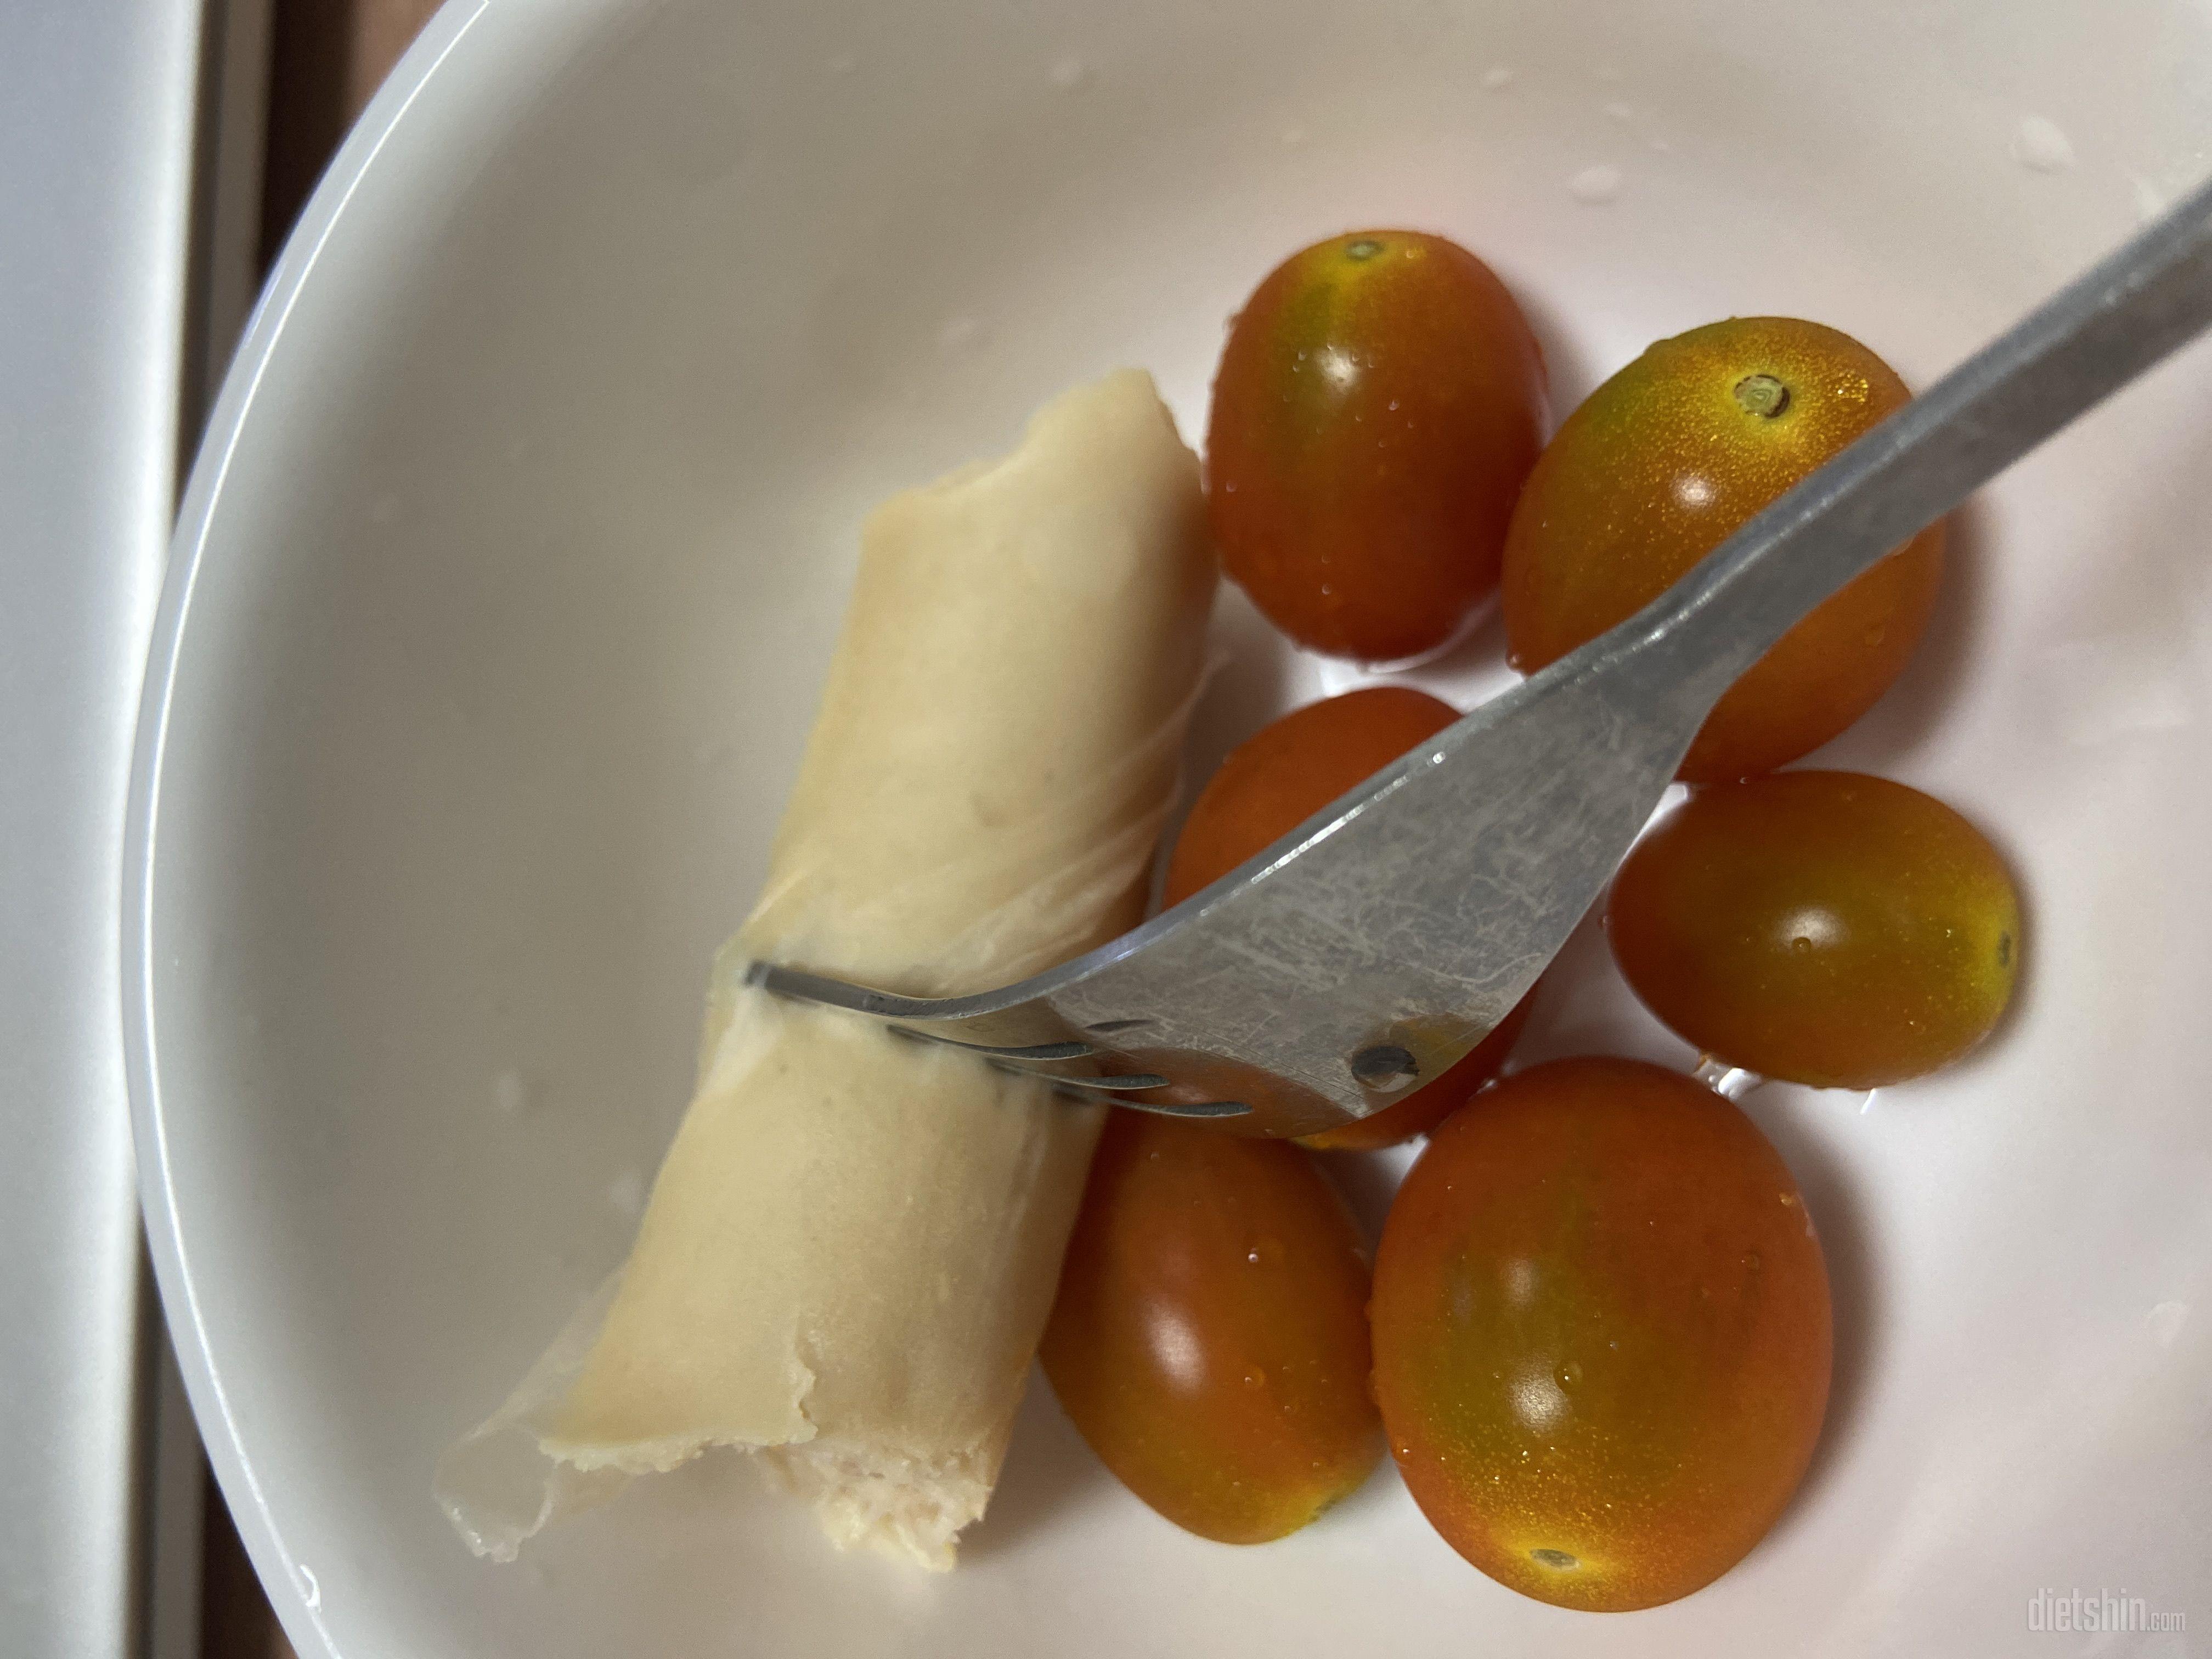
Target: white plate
{"points": [[503, 589]]}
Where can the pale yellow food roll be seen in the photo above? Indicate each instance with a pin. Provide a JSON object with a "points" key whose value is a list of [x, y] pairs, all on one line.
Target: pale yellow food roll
{"points": [[852, 1247]]}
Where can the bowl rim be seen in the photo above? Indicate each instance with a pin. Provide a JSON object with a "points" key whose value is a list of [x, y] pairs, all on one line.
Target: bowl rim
{"points": [[291, 1586]]}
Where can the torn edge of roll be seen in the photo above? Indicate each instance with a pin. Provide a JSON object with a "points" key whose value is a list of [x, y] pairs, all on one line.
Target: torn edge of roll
{"points": [[496, 1484], [528, 1466]]}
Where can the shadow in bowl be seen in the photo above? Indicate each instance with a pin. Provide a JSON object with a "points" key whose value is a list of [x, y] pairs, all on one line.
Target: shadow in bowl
{"points": [[1917, 705], [1568, 373], [1049, 1473], [1854, 1277], [1368, 1182]]}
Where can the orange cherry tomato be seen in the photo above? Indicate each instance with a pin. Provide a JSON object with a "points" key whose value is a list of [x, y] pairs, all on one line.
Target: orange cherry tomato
{"points": [[1288, 770], [1379, 402], [1275, 780], [1659, 466], [1826, 927], [1210, 1336], [1602, 1333]]}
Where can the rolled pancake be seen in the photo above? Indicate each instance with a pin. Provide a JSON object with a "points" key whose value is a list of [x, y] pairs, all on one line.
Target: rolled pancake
{"points": [[851, 1248]]}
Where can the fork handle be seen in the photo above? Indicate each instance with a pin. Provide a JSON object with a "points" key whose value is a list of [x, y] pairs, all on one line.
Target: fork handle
{"points": [[2144, 300]]}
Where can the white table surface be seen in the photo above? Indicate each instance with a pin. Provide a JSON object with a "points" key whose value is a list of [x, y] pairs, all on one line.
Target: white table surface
{"points": [[98, 102]]}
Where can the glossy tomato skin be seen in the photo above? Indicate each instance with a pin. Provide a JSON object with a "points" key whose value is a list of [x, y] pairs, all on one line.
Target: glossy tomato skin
{"points": [[1380, 400], [1659, 466], [1826, 927], [1603, 1336], [1210, 1337], [1274, 781]]}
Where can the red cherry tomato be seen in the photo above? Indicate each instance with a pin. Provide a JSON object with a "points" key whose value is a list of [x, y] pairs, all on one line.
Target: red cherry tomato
{"points": [[1379, 402], [1826, 927], [1210, 1336], [1602, 1333], [1275, 780]]}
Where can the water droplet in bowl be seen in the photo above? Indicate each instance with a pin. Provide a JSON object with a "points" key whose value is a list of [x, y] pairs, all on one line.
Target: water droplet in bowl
{"points": [[958, 332], [1596, 187], [1730, 1082], [2150, 200], [1071, 72], [2039, 145], [626, 1194], [1498, 80], [510, 1093]]}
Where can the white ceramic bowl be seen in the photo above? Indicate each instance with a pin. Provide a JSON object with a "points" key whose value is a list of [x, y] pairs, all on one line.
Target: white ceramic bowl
{"points": [[506, 580]]}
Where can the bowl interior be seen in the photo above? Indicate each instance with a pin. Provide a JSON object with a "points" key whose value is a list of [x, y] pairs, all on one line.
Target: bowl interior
{"points": [[506, 585]]}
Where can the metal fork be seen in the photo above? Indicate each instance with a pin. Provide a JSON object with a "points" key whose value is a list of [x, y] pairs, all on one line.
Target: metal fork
{"points": [[1379, 941]]}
